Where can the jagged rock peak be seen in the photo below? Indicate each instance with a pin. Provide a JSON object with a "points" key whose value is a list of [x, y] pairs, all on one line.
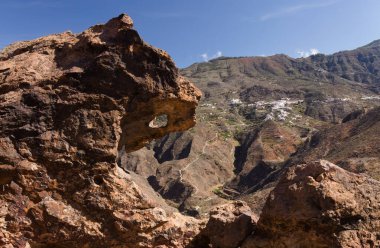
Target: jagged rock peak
{"points": [[124, 19]]}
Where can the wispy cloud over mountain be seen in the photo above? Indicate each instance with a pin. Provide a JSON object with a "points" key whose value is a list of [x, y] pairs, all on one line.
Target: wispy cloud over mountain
{"points": [[206, 57], [304, 54]]}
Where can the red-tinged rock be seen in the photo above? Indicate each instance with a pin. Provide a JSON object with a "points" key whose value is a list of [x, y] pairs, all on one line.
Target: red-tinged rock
{"points": [[320, 205], [69, 105], [229, 225]]}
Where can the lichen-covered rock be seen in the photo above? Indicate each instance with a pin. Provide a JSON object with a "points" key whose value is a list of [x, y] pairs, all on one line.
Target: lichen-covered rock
{"points": [[320, 205], [68, 105]]}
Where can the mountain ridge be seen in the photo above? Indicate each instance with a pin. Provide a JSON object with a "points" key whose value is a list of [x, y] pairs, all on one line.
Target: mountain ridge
{"points": [[374, 43]]}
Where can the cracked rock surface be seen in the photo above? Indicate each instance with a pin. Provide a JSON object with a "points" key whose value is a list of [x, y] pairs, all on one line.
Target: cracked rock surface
{"points": [[320, 205], [68, 105]]}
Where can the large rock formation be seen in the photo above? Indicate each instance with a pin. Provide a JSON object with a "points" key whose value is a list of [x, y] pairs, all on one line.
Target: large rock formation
{"points": [[69, 105], [320, 205], [227, 227]]}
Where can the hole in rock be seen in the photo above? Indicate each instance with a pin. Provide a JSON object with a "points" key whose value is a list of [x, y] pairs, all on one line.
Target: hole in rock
{"points": [[159, 121], [31, 100], [24, 85], [98, 180]]}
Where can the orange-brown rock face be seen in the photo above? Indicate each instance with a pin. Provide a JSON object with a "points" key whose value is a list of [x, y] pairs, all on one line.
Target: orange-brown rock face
{"points": [[227, 227], [320, 205], [68, 104]]}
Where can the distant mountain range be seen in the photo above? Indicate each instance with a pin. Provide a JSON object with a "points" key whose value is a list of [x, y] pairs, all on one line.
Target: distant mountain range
{"points": [[360, 66]]}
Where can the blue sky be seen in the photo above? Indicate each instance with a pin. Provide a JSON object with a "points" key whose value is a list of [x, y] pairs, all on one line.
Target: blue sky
{"points": [[197, 30]]}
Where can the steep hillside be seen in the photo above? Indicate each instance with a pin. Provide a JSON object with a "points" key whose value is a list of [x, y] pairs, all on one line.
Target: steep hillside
{"points": [[359, 65], [353, 145], [187, 168]]}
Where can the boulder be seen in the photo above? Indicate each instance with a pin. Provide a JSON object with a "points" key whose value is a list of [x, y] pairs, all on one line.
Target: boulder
{"points": [[227, 226], [320, 205]]}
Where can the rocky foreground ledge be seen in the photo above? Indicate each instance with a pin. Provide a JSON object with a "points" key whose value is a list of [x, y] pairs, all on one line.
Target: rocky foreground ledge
{"points": [[316, 205], [320, 205], [70, 104]]}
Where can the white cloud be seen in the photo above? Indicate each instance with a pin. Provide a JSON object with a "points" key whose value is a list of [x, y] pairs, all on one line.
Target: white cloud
{"points": [[295, 9], [304, 54], [207, 58], [218, 54], [314, 51], [204, 57]]}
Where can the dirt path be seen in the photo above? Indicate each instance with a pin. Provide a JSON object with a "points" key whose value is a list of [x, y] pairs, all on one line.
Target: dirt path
{"points": [[181, 171]]}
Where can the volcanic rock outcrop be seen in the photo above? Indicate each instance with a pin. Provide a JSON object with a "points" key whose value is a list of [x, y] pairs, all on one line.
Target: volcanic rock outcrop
{"points": [[227, 227], [69, 105], [320, 205]]}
